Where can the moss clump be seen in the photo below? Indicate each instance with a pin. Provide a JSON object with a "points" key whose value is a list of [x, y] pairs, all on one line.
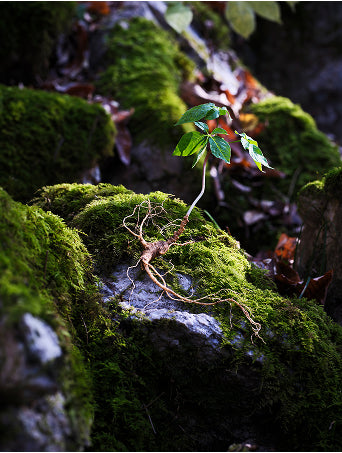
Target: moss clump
{"points": [[330, 184], [45, 271], [293, 143], [70, 199], [47, 138], [296, 372], [333, 183], [28, 32], [146, 68]]}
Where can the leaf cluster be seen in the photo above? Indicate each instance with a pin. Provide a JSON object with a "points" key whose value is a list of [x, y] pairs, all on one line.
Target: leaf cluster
{"points": [[196, 142], [240, 15]]}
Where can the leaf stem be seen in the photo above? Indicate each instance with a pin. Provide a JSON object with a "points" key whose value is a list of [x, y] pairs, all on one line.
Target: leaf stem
{"points": [[203, 186]]}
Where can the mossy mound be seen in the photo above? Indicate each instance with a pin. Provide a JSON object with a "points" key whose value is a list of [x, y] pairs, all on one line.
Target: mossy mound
{"points": [[293, 374], [48, 138], [45, 271], [293, 143], [144, 72], [28, 32]]}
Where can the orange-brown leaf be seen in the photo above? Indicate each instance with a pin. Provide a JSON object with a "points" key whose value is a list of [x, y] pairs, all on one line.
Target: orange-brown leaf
{"points": [[286, 247]]}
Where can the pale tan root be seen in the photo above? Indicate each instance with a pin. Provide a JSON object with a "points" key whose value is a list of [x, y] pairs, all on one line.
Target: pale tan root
{"points": [[158, 248]]}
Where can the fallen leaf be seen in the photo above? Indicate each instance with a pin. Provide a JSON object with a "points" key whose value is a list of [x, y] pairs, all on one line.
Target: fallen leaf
{"points": [[230, 97], [194, 94], [251, 217], [317, 288], [286, 248], [100, 8]]}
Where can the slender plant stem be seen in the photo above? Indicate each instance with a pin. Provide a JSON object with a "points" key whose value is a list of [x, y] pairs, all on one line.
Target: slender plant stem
{"points": [[203, 186]]}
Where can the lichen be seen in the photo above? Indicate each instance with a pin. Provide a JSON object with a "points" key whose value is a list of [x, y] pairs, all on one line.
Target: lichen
{"points": [[145, 68], [293, 143], [296, 369], [48, 138]]}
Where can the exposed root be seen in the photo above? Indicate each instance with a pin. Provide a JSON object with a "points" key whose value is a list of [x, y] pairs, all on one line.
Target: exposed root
{"points": [[154, 249]]}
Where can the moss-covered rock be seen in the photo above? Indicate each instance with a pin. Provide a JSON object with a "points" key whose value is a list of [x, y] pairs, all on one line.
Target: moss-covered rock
{"points": [[28, 32], [144, 72], [319, 249], [44, 385], [48, 138], [290, 380], [293, 143]]}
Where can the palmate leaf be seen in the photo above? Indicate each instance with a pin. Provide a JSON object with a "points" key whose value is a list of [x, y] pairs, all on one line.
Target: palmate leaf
{"points": [[220, 148], [191, 143]]}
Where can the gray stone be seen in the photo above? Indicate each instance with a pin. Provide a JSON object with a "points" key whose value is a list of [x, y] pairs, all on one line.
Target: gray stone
{"points": [[40, 339], [145, 300]]}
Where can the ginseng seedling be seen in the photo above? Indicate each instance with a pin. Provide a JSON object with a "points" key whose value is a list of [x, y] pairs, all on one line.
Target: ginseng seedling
{"points": [[200, 144]]}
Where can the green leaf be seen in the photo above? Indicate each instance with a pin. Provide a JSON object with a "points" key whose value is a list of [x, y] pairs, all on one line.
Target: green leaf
{"points": [[198, 156], [268, 10], [241, 17], [212, 114], [219, 130], [178, 16], [190, 143], [202, 126], [220, 148], [224, 111], [255, 152], [195, 113]]}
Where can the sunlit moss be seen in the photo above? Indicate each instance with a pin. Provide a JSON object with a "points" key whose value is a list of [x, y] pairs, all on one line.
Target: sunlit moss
{"points": [[293, 143], [145, 68]]}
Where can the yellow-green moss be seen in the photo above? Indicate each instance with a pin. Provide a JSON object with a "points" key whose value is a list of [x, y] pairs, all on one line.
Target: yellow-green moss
{"points": [[46, 138], [300, 377], [293, 143], [330, 184], [144, 72], [28, 32]]}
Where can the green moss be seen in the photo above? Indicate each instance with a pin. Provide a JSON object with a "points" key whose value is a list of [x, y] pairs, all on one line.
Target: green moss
{"points": [[28, 32], [330, 184], [45, 270], [48, 138], [146, 68], [293, 143], [69, 199], [300, 377]]}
